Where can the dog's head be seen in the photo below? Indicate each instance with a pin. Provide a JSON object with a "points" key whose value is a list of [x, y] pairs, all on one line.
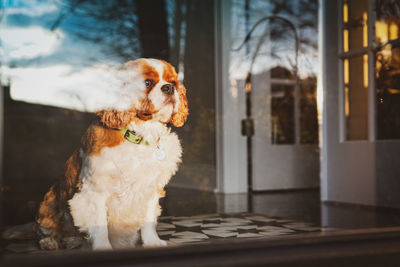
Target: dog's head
{"points": [[152, 92]]}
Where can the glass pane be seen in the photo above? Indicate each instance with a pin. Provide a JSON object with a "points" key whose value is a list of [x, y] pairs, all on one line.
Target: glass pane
{"points": [[356, 97], [282, 114], [271, 53], [308, 111], [60, 62], [284, 147], [388, 69], [355, 33]]}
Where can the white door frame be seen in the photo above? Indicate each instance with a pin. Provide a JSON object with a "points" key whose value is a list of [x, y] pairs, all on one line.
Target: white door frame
{"points": [[348, 171], [360, 172], [231, 145]]}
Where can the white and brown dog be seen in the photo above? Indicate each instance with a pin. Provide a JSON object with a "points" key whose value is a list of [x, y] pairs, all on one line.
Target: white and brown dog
{"points": [[113, 182]]}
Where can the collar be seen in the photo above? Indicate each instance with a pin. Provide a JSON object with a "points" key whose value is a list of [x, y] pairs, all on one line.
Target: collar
{"points": [[132, 137]]}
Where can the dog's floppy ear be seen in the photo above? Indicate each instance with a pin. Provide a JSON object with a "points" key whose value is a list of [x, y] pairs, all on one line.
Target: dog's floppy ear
{"points": [[179, 118], [116, 119]]}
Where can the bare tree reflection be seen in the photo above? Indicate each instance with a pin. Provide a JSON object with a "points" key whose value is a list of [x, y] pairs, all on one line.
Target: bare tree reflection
{"points": [[125, 29]]}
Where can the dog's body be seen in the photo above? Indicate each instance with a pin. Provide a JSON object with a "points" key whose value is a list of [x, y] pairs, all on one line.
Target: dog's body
{"points": [[112, 185]]}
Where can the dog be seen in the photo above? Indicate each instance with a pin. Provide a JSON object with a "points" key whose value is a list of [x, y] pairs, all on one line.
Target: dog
{"points": [[112, 184]]}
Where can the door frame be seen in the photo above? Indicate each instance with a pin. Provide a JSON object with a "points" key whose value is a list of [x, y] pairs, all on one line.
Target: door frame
{"points": [[230, 144]]}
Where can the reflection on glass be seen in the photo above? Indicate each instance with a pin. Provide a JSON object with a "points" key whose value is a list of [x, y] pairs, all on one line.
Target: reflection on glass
{"points": [[308, 111], [282, 114], [282, 106], [355, 69], [355, 22], [346, 101], [346, 40], [276, 58], [57, 61], [356, 98], [365, 29], [388, 69]]}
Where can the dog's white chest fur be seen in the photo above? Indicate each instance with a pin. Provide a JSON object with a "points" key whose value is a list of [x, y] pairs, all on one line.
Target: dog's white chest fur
{"points": [[127, 179]]}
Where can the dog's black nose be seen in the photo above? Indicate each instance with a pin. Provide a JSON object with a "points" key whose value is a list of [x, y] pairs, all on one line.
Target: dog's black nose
{"points": [[167, 89]]}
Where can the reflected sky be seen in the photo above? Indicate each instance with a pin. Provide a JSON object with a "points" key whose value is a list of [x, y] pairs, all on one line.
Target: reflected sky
{"points": [[69, 62], [53, 65]]}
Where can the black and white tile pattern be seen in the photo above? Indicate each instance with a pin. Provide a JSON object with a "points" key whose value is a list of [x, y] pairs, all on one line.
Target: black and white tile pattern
{"points": [[205, 228], [199, 229]]}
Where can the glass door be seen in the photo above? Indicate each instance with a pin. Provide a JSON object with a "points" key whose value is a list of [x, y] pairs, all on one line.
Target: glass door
{"points": [[361, 114], [274, 64]]}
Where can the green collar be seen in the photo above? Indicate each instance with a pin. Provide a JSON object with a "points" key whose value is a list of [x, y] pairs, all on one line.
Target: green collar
{"points": [[133, 138]]}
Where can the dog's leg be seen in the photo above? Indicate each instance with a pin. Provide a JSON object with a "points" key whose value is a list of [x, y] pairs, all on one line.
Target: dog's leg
{"points": [[88, 209], [123, 236], [148, 230]]}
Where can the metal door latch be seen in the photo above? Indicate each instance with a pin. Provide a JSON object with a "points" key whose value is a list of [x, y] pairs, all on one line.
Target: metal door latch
{"points": [[248, 127]]}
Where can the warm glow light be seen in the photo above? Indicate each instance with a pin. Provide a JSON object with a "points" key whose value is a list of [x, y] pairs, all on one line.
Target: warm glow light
{"points": [[365, 29], [393, 31], [346, 101], [378, 68], [346, 71], [248, 87], [386, 52], [365, 70], [345, 13], [381, 31], [346, 40]]}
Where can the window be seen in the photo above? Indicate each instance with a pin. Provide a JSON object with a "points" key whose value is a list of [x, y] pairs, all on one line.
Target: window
{"points": [[58, 64], [388, 69], [357, 72], [355, 68], [281, 54]]}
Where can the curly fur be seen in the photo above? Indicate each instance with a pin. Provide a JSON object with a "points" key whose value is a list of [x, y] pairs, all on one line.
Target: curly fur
{"points": [[111, 187], [179, 118]]}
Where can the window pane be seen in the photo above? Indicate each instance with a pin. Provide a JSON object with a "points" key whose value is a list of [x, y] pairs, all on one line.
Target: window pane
{"points": [[355, 34], [308, 111], [271, 53], [60, 61], [388, 70], [356, 97], [282, 114]]}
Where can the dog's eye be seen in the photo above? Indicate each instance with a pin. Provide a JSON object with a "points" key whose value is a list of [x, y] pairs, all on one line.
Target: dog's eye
{"points": [[148, 83]]}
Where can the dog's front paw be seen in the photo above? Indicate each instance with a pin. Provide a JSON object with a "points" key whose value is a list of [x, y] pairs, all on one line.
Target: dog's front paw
{"points": [[101, 246], [48, 243], [155, 243]]}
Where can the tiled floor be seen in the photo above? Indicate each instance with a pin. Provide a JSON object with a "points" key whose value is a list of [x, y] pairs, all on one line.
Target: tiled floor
{"points": [[205, 228], [195, 217], [209, 227]]}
